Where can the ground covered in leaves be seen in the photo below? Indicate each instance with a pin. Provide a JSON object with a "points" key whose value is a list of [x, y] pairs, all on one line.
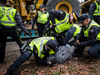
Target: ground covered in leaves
{"points": [[77, 66]]}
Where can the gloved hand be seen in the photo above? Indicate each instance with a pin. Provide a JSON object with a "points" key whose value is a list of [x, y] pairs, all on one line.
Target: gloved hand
{"points": [[59, 35], [29, 33], [75, 44]]}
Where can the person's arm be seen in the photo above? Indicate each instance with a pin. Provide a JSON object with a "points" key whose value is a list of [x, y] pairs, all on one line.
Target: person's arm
{"points": [[92, 36], [19, 22], [52, 16], [70, 34], [34, 20], [91, 10], [81, 35], [38, 59]]}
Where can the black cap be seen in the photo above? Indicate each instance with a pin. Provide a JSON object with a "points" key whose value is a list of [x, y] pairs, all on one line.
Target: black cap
{"points": [[42, 6], [76, 16], [53, 45], [83, 17]]}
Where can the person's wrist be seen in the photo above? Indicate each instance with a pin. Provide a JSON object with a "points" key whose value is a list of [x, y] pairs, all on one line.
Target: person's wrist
{"points": [[79, 44], [49, 63], [53, 24]]}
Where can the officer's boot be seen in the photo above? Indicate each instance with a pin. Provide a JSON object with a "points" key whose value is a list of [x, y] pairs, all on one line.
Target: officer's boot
{"points": [[97, 58], [77, 55], [9, 71]]}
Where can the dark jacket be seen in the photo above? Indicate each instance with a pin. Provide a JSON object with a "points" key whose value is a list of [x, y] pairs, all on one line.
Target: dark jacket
{"points": [[91, 12], [18, 21], [94, 30], [70, 34], [38, 59]]}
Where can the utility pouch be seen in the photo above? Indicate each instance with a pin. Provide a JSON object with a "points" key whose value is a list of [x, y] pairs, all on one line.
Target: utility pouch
{"points": [[25, 46]]}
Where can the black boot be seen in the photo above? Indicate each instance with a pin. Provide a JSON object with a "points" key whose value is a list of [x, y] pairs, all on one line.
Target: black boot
{"points": [[97, 58], [9, 71], [77, 55]]}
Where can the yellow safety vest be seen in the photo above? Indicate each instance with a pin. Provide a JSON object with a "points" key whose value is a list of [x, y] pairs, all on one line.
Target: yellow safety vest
{"points": [[63, 24], [42, 18], [78, 29], [7, 16], [39, 43], [97, 11], [86, 32]]}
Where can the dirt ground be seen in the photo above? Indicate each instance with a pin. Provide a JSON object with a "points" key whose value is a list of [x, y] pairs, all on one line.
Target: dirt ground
{"points": [[77, 66]]}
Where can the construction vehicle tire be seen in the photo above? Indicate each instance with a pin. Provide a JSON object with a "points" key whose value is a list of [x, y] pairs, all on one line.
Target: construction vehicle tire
{"points": [[66, 5]]}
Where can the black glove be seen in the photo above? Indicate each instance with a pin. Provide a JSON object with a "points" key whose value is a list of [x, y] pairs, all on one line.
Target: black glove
{"points": [[75, 44], [29, 33], [59, 35]]}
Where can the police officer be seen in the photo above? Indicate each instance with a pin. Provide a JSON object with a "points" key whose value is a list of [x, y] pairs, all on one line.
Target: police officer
{"points": [[41, 18], [89, 36], [94, 11], [73, 32], [9, 18], [42, 47], [61, 21]]}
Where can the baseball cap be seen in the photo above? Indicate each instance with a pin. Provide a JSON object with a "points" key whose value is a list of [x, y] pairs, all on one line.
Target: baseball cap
{"points": [[42, 6], [83, 17], [76, 16], [53, 45], [11, 1]]}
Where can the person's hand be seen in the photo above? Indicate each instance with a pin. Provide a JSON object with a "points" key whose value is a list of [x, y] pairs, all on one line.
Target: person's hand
{"points": [[49, 63], [52, 26], [75, 44], [29, 33], [77, 41]]}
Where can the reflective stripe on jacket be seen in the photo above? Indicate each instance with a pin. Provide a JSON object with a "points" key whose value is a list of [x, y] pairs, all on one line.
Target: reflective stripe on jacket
{"points": [[39, 43], [78, 29], [86, 32], [63, 24], [7, 16], [97, 11], [42, 17]]}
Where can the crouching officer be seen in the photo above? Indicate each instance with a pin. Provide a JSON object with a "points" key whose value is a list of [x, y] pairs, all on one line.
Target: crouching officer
{"points": [[89, 36], [9, 18], [73, 32], [41, 47], [61, 21]]}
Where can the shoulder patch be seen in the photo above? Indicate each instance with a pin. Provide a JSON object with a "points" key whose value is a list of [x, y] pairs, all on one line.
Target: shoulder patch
{"points": [[92, 30], [61, 12]]}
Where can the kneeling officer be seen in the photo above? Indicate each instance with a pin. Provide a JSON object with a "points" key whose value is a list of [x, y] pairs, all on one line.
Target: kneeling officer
{"points": [[41, 47]]}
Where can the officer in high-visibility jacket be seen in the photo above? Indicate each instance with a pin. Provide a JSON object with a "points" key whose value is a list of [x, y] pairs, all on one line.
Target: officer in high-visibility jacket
{"points": [[9, 19], [60, 22], [94, 11], [73, 32], [89, 36], [41, 47], [41, 18]]}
